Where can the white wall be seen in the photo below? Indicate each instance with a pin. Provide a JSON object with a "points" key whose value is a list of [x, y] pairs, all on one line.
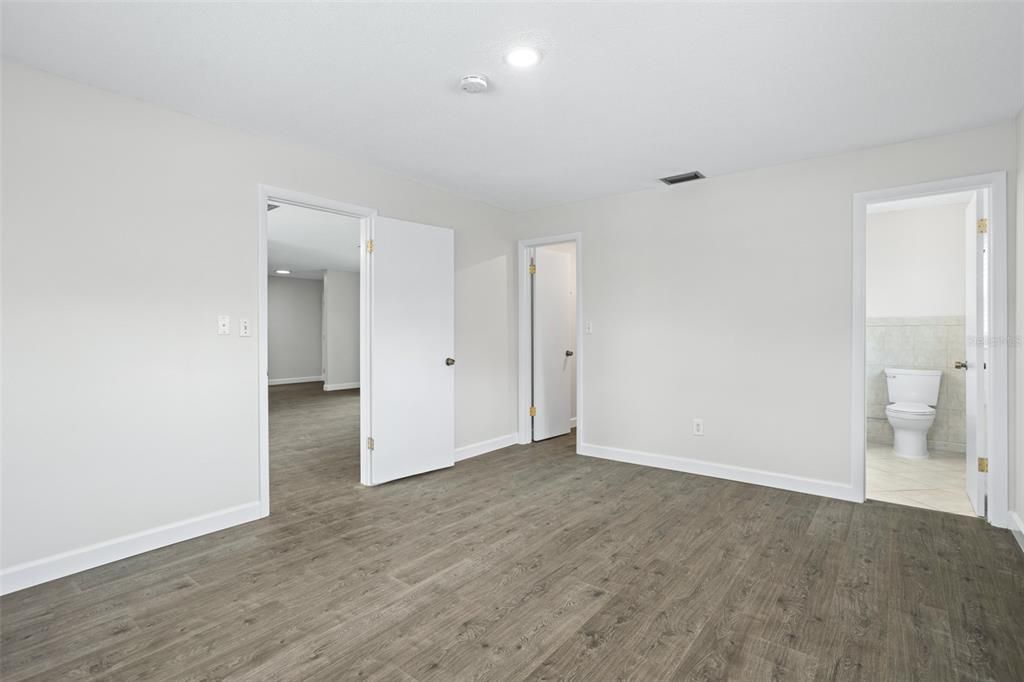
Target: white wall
{"points": [[294, 328], [341, 329], [136, 424], [915, 262], [730, 299]]}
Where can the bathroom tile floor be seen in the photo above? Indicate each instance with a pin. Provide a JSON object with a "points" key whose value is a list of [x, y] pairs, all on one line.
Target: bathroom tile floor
{"points": [[934, 483]]}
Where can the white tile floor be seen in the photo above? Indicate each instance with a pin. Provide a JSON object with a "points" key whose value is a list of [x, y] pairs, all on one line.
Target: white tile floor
{"points": [[934, 483]]}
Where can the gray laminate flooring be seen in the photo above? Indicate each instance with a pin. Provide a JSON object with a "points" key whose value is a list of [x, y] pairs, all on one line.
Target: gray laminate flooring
{"points": [[533, 563]]}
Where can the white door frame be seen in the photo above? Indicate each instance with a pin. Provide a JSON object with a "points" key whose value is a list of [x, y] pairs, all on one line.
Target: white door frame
{"points": [[277, 195], [997, 418], [525, 374]]}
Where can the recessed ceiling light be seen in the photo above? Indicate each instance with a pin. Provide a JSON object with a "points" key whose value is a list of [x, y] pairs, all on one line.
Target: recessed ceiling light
{"points": [[523, 57], [282, 272]]}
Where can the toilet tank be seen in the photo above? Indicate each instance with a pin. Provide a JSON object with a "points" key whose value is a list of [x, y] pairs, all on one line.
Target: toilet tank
{"points": [[913, 385]]}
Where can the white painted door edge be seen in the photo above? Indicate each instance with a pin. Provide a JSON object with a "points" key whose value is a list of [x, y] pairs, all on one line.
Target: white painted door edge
{"points": [[998, 415], [523, 337], [268, 194]]}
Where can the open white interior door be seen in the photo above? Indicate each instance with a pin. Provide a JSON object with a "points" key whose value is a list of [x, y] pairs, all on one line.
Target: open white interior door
{"points": [[554, 342], [974, 317], [412, 349]]}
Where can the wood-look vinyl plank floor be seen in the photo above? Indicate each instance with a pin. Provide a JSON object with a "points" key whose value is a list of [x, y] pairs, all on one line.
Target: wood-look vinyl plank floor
{"points": [[532, 563]]}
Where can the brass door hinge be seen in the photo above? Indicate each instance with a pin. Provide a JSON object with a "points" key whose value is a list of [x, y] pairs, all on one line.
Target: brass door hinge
{"points": [[983, 465], [982, 225], [369, 443], [533, 269], [533, 410], [369, 246]]}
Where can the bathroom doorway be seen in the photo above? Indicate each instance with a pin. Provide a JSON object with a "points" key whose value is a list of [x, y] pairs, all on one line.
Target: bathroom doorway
{"points": [[933, 297]]}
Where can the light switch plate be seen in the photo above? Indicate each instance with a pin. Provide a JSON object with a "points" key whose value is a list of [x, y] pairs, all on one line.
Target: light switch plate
{"points": [[243, 327], [698, 427], [223, 324]]}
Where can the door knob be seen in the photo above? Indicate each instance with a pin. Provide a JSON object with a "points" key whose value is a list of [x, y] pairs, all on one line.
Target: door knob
{"points": [[960, 364], [568, 353], [449, 361]]}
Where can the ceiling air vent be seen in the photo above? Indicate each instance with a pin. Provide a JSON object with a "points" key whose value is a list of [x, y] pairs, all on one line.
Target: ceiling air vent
{"points": [[683, 177]]}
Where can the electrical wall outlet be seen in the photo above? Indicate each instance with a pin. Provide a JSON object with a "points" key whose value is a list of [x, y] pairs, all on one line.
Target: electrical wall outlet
{"points": [[698, 427], [588, 328], [223, 324], [243, 327]]}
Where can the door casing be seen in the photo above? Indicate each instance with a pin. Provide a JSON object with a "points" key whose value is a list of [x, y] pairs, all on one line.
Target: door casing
{"points": [[269, 194], [524, 435], [976, 377], [997, 416]]}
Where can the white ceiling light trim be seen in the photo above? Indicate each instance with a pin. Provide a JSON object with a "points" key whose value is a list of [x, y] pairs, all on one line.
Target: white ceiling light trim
{"points": [[523, 57]]}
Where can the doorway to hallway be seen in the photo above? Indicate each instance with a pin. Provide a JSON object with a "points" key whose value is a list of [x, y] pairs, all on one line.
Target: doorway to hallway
{"points": [[550, 331]]}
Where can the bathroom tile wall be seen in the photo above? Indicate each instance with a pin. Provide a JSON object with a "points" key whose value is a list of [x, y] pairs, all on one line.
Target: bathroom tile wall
{"points": [[917, 343]]}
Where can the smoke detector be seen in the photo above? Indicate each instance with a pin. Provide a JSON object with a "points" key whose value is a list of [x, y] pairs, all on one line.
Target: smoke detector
{"points": [[474, 83]]}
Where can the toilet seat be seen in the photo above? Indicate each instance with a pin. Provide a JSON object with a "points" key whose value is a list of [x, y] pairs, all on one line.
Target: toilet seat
{"points": [[911, 409]]}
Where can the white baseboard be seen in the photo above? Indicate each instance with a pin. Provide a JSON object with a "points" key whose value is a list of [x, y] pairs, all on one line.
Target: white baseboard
{"points": [[31, 573], [1017, 527], [294, 380], [839, 491], [484, 446], [341, 387]]}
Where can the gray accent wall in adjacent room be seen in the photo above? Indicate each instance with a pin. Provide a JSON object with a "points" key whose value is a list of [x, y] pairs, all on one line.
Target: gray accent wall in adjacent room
{"points": [[917, 343], [294, 328], [341, 330]]}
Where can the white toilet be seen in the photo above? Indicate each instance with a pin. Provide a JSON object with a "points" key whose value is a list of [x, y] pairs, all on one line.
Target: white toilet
{"points": [[913, 394]]}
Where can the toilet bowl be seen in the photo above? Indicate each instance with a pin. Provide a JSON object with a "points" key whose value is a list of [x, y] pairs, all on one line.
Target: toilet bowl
{"points": [[913, 394], [910, 423]]}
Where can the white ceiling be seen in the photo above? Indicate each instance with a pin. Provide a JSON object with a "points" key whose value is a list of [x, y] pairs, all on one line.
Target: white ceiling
{"points": [[626, 92], [307, 241]]}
